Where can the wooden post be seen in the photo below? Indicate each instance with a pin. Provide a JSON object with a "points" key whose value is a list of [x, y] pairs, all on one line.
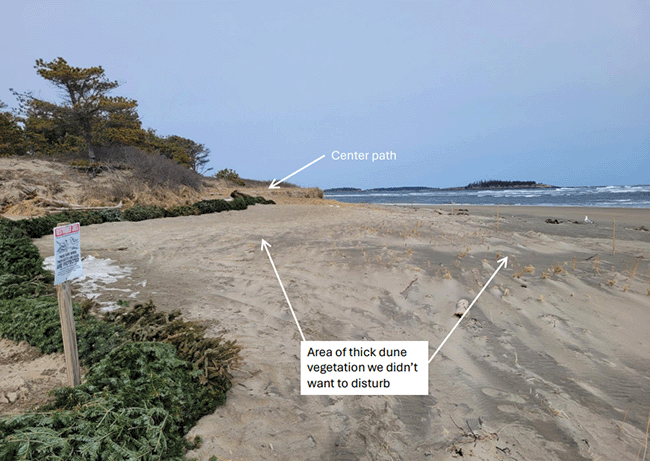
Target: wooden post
{"points": [[497, 217], [614, 237], [64, 296]]}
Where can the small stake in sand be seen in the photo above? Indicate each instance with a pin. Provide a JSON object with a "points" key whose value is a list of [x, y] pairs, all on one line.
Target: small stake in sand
{"points": [[614, 237], [497, 217], [67, 256]]}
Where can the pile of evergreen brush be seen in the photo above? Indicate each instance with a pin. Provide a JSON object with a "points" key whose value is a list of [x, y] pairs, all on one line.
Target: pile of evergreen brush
{"points": [[151, 375], [43, 225]]}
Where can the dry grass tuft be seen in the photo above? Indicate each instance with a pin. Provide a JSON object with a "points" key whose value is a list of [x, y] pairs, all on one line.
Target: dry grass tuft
{"points": [[596, 265], [130, 192], [526, 270]]}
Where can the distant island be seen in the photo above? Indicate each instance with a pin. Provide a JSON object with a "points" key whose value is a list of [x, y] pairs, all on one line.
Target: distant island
{"points": [[478, 185]]}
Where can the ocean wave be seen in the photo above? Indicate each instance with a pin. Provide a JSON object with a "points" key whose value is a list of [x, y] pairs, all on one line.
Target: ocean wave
{"points": [[623, 189], [637, 196]]}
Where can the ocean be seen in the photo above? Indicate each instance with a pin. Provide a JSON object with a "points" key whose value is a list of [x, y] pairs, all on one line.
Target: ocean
{"points": [[592, 196]]}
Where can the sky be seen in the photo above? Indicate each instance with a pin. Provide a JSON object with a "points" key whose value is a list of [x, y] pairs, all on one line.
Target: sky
{"points": [[549, 91]]}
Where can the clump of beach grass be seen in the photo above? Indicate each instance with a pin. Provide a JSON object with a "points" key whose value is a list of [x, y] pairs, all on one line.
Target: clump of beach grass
{"points": [[596, 265], [529, 269]]}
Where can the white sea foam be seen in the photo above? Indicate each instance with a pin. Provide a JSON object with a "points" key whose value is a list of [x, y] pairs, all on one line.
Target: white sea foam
{"points": [[635, 196]]}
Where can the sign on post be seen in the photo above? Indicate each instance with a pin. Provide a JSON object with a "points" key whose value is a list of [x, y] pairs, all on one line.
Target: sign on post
{"points": [[67, 266], [67, 253]]}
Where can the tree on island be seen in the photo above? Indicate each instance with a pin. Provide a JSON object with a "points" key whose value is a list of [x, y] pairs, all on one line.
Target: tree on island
{"points": [[86, 110], [494, 183]]}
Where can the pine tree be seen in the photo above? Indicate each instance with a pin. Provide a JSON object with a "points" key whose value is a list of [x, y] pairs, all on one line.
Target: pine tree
{"points": [[86, 110], [12, 141]]}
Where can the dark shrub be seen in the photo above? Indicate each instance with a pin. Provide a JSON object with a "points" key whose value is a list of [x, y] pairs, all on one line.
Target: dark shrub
{"points": [[142, 212], [111, 215], [19, 256], [154, 169], [238, 204], [212, 206], [185, 210]]}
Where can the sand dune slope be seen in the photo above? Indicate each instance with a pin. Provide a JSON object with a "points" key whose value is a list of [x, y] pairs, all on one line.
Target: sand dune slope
{"points": [[552, 363]]}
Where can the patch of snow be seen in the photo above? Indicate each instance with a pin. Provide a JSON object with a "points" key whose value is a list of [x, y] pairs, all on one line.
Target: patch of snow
{"points": [[98, 273]]}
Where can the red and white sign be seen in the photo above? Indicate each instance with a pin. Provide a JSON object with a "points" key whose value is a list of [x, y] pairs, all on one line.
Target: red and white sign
{"points": [[65, 230]]}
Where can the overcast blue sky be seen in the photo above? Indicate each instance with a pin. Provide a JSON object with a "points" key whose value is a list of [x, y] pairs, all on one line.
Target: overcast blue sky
{"points": [[551, 91]]}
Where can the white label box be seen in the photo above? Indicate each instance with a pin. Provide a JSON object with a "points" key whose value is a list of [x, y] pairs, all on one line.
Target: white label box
{"points": [[364, 368]]}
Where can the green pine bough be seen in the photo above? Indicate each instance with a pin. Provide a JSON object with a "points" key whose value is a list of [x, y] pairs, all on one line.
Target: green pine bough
{"points": [[43, 225], [135, 403], [151, 375]]}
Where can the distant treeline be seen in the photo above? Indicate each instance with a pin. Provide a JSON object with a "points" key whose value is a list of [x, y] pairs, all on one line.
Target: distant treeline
{"points": [[495, 183]]}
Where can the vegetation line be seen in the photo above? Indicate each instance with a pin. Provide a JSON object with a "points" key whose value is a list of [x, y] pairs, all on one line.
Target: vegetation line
{"points": [[151, 375]]}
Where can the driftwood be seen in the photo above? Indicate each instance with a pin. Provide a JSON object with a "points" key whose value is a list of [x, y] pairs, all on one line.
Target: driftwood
{"points": [[60, 205], [403, 293]]}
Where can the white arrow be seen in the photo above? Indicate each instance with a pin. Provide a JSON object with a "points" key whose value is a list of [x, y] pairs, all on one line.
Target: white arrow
{"points": [[504, 263], [265, 246], [274, 185]]}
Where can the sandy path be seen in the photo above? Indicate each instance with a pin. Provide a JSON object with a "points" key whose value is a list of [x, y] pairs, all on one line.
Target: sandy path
{"points": [[551, 360]]}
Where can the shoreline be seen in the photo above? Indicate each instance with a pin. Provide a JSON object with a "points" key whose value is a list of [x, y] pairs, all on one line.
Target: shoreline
{"points": [[629, 222], [600, 215]]}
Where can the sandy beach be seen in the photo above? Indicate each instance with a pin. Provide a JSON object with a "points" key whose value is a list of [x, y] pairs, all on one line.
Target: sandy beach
{"points": [[551, 363]]}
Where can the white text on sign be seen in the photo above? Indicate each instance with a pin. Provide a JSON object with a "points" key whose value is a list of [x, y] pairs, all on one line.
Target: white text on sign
{"points": [[372, 156], [364, 368]]}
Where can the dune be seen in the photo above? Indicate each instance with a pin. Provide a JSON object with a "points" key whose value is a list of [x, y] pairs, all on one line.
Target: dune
{"points": [[551, 363]]}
